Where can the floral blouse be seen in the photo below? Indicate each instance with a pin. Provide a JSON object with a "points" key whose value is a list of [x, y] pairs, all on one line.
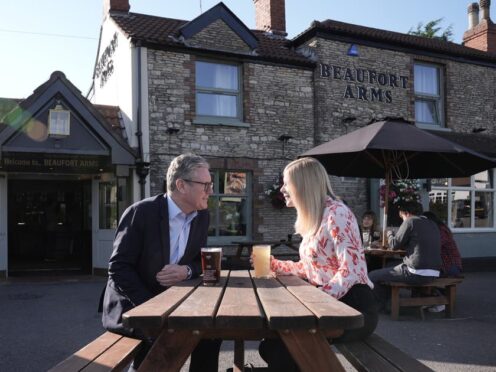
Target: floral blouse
{"points": [[333, 258]]}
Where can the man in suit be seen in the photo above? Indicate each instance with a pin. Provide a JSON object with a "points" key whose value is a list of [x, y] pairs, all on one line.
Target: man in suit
{"points": [[157, 244]]}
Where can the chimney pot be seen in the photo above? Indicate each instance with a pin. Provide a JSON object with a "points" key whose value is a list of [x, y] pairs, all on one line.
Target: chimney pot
{"points": [[271, 16], [473, 15], [115, 6], [484, 6]]}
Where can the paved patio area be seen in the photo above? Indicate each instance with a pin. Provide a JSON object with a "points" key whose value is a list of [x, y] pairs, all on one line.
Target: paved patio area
{"points": [[44, 320]]}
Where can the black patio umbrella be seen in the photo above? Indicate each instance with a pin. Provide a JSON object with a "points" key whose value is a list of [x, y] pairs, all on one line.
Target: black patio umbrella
{"points": [[395, 149]]}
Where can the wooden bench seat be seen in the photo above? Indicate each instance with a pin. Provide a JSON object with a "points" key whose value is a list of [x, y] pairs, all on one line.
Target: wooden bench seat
{"points": [[429, 299], [376, 354], [108, 352]]}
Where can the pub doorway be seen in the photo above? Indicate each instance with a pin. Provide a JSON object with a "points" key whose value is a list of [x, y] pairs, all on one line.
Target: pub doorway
{"points": [[49, 227]]}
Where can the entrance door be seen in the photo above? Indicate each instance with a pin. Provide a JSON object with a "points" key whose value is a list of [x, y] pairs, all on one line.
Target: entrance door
{"points": [[49, 226]]}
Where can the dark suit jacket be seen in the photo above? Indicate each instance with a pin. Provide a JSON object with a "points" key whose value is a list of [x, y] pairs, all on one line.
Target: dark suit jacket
{"points": [[141, 249]]}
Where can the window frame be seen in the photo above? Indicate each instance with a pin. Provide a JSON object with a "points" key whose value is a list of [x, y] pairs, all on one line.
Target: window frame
{"points": [[221, 120], [437, 99], [472, 190], [53, 128], [215, 217]]}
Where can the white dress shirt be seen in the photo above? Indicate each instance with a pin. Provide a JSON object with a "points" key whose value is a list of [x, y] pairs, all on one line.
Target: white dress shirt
{"points": [[179, 226]]}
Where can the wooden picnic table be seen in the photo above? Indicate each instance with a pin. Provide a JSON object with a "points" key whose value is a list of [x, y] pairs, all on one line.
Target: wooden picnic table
{"points": [[243, 308]]}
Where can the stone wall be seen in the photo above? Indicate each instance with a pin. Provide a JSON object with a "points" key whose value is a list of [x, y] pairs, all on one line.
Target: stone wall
{"points": [[277, 101], [218, 36]]}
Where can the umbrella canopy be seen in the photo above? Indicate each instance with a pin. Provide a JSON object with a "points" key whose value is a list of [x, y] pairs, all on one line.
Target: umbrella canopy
{"points": [[397, 149], [401, 148]]}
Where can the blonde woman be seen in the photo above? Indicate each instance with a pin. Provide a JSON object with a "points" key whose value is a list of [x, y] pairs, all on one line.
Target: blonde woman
{"points": [[331, 252]]}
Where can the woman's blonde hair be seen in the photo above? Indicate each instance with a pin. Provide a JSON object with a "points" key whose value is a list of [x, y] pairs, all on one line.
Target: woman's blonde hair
{"points": [[308, 187]]}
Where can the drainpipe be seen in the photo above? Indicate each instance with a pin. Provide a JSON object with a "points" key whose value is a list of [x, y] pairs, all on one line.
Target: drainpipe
{"points": [[142, 166]]}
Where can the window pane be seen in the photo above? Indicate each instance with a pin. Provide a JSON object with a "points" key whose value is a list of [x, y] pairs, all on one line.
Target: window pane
{"points": [[213, 202], [460, 209], [426, 79], [108, 205], [426, 111], [216, 105], [483, 180], [59, 122], [438, 203], [232, 213], [220, 76], [235, 183], [483, 209]]}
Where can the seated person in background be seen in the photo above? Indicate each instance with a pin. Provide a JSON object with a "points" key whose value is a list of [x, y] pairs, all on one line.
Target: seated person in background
{"points": [[421, 240], [451, 261], [370, 233], [331, 253]]}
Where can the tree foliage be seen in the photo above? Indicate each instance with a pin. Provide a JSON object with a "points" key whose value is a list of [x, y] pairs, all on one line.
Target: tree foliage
{"points": [[432, 29]]}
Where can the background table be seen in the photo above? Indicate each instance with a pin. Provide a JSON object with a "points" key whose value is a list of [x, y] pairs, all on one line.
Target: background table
{"points": [[243, 308], [385, 254]]}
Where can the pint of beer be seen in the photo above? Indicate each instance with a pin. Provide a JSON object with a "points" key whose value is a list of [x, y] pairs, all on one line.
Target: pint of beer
{"points": [[261, 260], [211, 259]]}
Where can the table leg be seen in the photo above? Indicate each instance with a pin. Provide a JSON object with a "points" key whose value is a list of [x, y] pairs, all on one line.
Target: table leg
{"points": [[239, 356], [311, 351], [170, 351]]}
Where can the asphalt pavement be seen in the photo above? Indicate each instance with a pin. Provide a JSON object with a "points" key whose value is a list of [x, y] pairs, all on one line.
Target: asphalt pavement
{"points": [[44, 320]]}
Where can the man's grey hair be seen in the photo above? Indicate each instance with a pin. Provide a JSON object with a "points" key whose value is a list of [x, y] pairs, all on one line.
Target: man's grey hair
{"points": [[182, 167]]}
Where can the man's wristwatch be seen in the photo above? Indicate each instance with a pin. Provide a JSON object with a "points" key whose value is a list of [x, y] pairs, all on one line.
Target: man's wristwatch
{"points": [[189, 272]]}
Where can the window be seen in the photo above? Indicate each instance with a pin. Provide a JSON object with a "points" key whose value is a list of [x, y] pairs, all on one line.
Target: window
{"points": [[465, 203], [218, 93], [59, 122], [428, 95], [108, 205], [230, 215]]}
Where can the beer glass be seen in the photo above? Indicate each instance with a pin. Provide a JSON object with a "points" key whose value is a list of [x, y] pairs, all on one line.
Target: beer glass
{"points": [[261, 260], [211, 259]]}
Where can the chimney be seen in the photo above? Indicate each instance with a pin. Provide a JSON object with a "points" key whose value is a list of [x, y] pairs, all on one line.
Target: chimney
{"points": [[481, 35], [484, 6], [115, 6], [270, 16], [473, 15]]}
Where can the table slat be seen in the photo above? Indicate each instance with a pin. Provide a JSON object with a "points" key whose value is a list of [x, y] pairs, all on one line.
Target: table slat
{"points": [[198, 310], [282, 309], [330, 312], [153, 313], [239, 307]]}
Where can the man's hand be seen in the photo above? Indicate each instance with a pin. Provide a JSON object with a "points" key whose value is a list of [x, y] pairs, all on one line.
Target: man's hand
{"points": [[171, 274]]}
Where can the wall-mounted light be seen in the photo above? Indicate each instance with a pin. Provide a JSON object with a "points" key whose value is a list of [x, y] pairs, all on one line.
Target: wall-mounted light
{"points": [[284, 138], [479, 129], [171, 131]]}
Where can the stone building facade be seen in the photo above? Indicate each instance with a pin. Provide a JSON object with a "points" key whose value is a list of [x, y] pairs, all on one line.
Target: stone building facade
{"points": [[281, 97]]}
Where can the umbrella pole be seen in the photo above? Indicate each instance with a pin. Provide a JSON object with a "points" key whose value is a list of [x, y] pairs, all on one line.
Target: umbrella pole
{"points": [[386, 207]]}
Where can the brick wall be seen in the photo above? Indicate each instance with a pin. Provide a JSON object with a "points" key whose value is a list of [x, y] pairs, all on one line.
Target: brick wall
{"points": [[270, 15]]}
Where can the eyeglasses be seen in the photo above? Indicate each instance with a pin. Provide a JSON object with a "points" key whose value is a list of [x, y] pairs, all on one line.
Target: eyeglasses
{"points": [[207, 186]]}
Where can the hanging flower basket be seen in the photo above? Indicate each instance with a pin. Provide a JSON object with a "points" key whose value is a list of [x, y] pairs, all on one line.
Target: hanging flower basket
{"points": [[275, 195], [400, 192]]}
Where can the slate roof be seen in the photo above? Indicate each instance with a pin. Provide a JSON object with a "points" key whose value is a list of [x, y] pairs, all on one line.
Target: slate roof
{"points": [[338, 29], [164, 32]]}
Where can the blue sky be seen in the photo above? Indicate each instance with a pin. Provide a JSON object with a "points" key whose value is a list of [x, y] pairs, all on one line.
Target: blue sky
{"points": [[38, 37]]}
